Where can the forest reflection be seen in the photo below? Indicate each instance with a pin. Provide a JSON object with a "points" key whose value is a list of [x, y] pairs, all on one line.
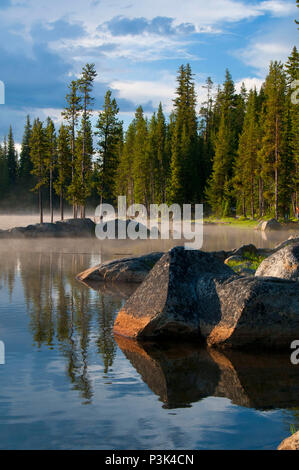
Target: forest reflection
{"points": [[64, 313]]}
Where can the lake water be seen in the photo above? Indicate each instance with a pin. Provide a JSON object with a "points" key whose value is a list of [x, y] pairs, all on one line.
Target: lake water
{"points": [[67, 383]]}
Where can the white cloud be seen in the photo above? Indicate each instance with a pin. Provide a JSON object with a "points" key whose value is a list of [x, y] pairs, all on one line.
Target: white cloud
{"points": [[278, 7], [259, 54], [250, 83], [143, 91], [198, 12], [146, 47]]}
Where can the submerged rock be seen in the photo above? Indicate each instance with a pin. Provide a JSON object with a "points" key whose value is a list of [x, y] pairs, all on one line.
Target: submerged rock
{"points": [[283, 264], [291, 443], [167, 303], [132, 270]]}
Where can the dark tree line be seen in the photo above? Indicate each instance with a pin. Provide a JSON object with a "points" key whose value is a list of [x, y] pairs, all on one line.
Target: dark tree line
{"points": [[238, 154]]}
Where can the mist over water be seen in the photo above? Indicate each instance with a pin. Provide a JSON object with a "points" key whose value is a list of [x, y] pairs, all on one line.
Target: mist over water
{"points": [[11, 220], [69, 384], [216, 237]]}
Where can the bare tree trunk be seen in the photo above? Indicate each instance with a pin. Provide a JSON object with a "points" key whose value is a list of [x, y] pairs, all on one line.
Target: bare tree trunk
{"points": [[51, 196], [73, 161], [252, 198], [61, 205], [276, 168], [40, 203], [244, 206]]}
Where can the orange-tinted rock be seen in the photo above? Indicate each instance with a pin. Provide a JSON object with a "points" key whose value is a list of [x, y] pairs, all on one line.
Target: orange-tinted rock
{"points": [[291, 443], [167, 303]]}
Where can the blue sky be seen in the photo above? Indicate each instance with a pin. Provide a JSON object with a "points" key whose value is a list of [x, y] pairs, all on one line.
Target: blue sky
{"points": [[137, 46]]}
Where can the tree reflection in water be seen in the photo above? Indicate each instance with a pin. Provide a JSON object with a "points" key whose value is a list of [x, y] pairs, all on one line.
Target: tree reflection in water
{"points": [[61, 310]]}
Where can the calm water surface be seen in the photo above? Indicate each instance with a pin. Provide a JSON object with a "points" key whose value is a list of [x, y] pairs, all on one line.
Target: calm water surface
{"points": [[69, 384]]}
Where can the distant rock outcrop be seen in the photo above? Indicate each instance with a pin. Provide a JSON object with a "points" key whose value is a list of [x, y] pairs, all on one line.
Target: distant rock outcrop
{"points": [[269, 225], [69, 228]]}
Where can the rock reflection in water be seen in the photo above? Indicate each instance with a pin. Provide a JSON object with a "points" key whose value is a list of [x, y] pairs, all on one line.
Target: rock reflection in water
{"points": [[184, 374]]}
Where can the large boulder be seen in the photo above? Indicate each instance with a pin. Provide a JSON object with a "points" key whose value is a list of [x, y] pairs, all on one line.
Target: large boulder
{"points": [[291, 443], [250, 312], [283, 264], [121, 270], [167, 303], [193, 294]]}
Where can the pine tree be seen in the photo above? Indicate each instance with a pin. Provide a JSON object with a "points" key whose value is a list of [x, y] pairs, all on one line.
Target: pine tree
{"points": [[85, 83], [141, 173], [163, 157], [206, 129], [38, 149], [109, 131], [64, 166], [185, 164], [218, 183], [245, 179], [81, 187], [25, 167], [12, 163], [151, 151], [124, 172], [71, 114], [272, 150], [4, 177], [51, 158], [292, 74]]}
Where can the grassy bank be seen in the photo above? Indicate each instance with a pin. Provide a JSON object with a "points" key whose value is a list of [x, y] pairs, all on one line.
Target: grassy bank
{"points": [[238, 222], [246, 222]]}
